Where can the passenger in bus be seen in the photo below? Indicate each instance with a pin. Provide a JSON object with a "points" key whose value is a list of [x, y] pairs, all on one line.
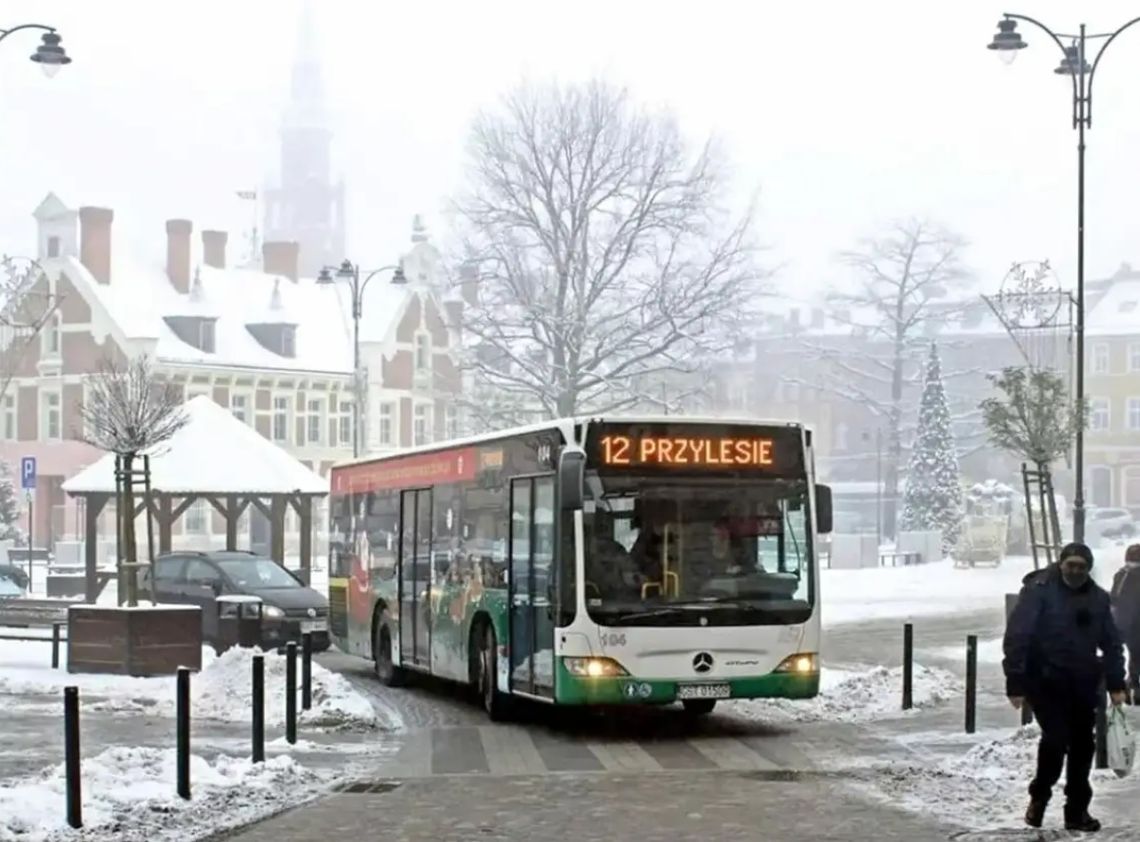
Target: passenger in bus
{"points": [[650, 543], [728, 551]]}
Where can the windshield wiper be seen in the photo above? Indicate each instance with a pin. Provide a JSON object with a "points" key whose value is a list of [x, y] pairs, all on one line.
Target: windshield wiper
{"points": [[647, 615]]}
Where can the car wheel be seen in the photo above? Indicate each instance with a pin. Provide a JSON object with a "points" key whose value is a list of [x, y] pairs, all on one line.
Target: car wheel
{"points": [[494, 702], [389, 674], [699, 707]]}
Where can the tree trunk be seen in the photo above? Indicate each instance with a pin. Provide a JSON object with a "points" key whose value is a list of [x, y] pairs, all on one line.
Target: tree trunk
{"points": [[130, 546], [894, 444]]}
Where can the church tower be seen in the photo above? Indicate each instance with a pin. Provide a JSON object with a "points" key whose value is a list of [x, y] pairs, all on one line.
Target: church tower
{"points": [[307, 207]]}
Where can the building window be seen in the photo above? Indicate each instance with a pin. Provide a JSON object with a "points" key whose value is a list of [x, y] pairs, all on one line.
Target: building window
{"points": [[50, 423], [421, 424], [281, 420], [1100, 485], [423, 352], [316, 422], [1133, 414], [1100, 417], [196, 517], [1100, 359], [206, 336], [53, 247], [239, 406], [344, 423], [451, 421], [387, 426], [1132, 486], [50, 337], [9, 421], [1134, 356]]}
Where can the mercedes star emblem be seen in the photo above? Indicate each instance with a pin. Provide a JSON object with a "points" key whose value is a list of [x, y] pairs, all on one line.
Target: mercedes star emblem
{"points": [[702, 662]]}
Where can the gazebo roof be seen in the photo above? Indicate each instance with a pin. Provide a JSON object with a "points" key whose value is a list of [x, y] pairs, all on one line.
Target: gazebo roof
{"points": [[214, 453]]}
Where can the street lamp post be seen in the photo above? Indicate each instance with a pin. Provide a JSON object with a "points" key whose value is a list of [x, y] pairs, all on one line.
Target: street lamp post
{"points": [[1007, 42], [349, 271], [50, 56]]}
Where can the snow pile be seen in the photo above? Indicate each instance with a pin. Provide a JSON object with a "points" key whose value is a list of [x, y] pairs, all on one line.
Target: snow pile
{"points": [[221, 691], [857, 696], [128, 793]]}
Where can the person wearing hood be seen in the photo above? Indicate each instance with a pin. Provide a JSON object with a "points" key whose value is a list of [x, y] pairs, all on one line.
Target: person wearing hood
{"points": [[1061, 619], [1126, 608]]}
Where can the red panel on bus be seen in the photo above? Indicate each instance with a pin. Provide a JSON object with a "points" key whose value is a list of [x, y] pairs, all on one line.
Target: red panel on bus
{"points": [[407, 471]]}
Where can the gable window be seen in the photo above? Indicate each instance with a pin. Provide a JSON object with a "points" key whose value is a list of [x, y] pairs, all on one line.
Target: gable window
{"points": [[421, 424], [386, 432], [1100, 359], [196, 331], [281, 407], [1100, 415], [50, 337], [1134, 413], [280, 339], [314, 425], [50, 421], [239, 406], [423, 352], [53, 247], [9, 420], [1134, 357]]}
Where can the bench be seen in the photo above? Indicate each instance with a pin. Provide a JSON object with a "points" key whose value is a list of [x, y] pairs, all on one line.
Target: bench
{"points": [[71, 580], [906, 558], [21, 554], [35, 614]]}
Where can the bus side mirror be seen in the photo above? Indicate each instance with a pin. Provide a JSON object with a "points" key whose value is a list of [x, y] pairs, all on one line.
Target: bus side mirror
{"points": [[823, 509], [571, 479]]}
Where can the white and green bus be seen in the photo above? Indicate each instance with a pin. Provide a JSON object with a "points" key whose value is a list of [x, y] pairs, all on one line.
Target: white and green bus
{"points": [[588, 561]]}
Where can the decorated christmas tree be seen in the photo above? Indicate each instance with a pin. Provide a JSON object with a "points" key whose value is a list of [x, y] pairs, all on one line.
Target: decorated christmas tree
{"points": [[933, 498]]}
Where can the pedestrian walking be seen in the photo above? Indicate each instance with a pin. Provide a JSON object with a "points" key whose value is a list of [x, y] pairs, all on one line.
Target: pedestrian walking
{"points": [[1126, 608], [1061, 619]]}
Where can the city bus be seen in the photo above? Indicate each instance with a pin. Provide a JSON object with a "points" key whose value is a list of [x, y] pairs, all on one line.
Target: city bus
{"points": [[587, 561]]}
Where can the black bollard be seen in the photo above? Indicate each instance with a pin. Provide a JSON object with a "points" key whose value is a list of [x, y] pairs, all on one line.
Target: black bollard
{"points": [[1101, 726], [908, 667], [71, 756], [258, 709], [182, 731], [291, 692], [307, 671], [971, 683], [55, 645]]}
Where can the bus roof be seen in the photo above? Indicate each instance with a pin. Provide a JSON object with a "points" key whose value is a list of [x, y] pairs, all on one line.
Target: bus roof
{"points": [[565, 425]]}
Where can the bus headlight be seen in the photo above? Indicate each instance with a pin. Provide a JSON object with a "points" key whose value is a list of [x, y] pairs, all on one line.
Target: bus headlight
{"points": [[804, 663], [593, 667]]}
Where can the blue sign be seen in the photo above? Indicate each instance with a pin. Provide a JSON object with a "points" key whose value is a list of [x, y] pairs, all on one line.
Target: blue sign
{"points": [[28, 473]]}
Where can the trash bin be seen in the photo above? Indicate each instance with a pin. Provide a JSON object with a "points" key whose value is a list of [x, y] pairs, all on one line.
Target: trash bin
{"points": [[239, 621]]}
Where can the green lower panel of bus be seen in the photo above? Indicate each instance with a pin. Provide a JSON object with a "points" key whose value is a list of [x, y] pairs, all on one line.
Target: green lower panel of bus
{"points": [[576, 690]]}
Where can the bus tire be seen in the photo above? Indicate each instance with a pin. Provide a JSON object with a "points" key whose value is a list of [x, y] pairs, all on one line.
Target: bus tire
{"points": [[389, 674], [698, 707], [494, 702]]}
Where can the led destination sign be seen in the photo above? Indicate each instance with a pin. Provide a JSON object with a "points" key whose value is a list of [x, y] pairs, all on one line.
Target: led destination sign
{"points": [[697, 449], [705, 452]]}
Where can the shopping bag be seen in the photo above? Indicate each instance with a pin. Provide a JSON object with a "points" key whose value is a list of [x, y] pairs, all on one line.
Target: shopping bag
{"points": [[1121, 742]]}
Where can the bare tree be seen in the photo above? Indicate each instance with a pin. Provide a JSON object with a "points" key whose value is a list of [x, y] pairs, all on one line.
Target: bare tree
{"points": [[26, 306], [603, 253], [130, 410], [903, 279]]}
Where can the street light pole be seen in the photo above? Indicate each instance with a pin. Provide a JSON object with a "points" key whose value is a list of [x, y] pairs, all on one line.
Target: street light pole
{"points": [[349, 271], [1007, 42], [50, 56]]}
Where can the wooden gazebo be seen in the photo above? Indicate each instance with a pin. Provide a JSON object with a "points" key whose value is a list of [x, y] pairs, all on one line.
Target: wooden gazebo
{"points": [[215, 458]]}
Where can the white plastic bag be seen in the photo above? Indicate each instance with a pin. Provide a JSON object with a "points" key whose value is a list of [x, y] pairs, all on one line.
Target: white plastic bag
{"points": [[1121, 742]]}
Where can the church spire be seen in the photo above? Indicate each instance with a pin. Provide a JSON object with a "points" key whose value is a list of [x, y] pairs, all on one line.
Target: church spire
{"points": [[307, 88]]}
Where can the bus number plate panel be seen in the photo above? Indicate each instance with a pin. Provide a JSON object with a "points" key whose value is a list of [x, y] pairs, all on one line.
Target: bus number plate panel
{"points": [[704, 691]]}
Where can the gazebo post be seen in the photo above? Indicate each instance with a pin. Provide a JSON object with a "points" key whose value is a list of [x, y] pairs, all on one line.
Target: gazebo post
{"points": [[305, 515], [165, 523], [277, 528], [233, 514], [93, 506]]}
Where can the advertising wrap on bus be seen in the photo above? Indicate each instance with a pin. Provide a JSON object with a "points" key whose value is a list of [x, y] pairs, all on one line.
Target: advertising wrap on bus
{"points": [[683, 570]]}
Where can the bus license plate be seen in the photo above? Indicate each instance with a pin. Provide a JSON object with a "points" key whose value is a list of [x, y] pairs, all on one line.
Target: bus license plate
{"points": [[313, 626], [704, 691]]}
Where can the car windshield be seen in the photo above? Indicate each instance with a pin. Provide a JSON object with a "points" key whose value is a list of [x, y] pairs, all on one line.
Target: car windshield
{"points": [[713, 553], [257, 573]]}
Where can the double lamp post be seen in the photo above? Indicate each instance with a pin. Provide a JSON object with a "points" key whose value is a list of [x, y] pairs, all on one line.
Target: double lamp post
{"points": [[1074, 64], [350, 273]]}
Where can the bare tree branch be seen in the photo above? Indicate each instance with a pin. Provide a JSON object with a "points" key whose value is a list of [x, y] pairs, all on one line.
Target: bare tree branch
{"points": [[128, 409], [26, 307]]}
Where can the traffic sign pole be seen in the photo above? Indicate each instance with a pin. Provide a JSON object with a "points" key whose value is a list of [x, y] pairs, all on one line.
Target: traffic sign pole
{"points": [[28, 483]]}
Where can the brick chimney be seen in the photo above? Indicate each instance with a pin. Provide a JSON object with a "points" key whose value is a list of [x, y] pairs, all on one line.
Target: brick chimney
{"points": [[178, 253], [95, 241], [281, 259], [214, 248]]}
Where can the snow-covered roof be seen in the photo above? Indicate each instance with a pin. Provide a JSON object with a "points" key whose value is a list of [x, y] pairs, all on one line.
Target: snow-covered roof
{"points": [[214, 453], [1117, 312]]}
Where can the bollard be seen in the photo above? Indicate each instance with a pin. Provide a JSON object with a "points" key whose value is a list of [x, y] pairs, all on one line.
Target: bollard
{"points": [[291, 692], [307, 671], [55, 645], [258, 709], [971, 683], [71, 757], [182, 732], [1101, 725], [908, 666]]}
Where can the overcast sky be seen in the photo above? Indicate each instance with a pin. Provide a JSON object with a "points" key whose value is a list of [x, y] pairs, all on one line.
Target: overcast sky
{"points": [[844, 115]]}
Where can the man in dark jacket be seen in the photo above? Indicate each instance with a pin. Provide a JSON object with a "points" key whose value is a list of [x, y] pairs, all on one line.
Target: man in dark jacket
{"points": [[1126, 607], [1051, 640]]}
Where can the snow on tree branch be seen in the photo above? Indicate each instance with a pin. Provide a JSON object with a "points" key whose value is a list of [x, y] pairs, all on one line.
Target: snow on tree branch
{"points": [[600, 248], [128, 409]]}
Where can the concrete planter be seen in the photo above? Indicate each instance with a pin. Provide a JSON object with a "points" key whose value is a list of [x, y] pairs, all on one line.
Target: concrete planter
{"points": [[141, 641]]}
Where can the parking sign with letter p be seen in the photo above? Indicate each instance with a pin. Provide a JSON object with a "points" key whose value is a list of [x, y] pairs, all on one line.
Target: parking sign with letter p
{"points": [[28, 473]]}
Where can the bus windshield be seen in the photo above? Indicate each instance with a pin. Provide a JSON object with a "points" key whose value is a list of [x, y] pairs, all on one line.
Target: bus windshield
{"points": [[693, 552]]}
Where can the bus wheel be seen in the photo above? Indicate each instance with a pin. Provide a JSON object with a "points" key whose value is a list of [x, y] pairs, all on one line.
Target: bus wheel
{"points": [[389, 674], [698, 707], [494, 702]]}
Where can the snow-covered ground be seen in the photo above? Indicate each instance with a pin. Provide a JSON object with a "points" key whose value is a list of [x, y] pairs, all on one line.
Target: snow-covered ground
{"points": [[924, 590], [221, 691], [129, 794], [855, 695]]}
